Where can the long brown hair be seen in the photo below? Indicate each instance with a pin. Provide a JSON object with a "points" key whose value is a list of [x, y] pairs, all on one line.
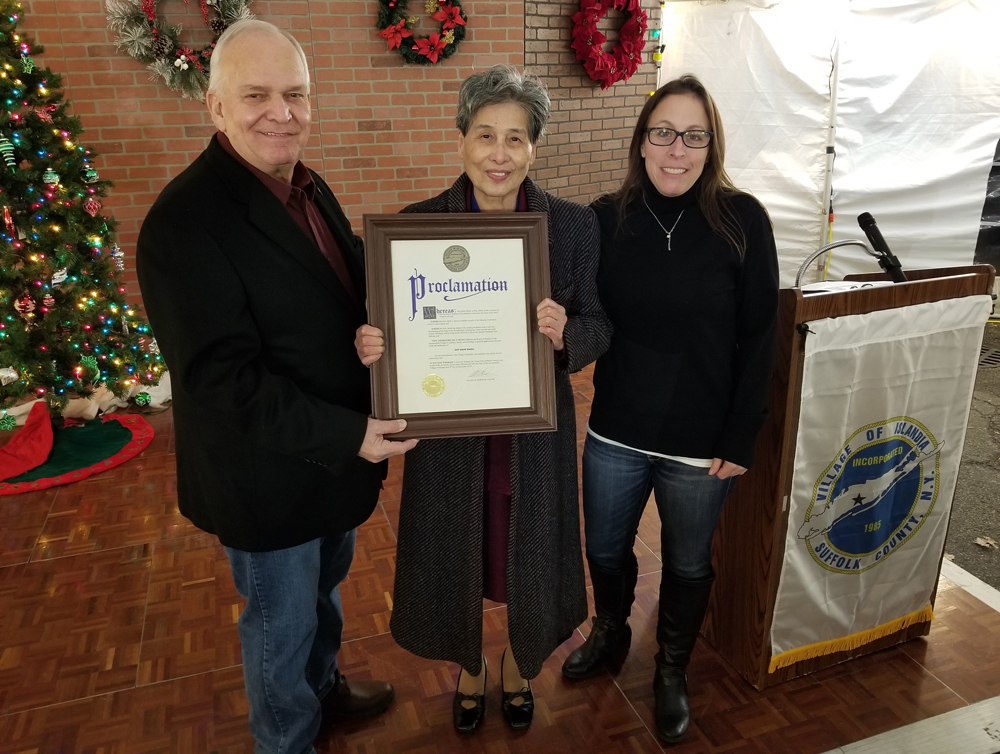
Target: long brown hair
{"points": [[714, 186]]}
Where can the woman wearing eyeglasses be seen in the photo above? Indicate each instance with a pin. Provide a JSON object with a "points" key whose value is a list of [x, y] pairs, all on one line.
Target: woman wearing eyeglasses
{"points": [[689, 279]]}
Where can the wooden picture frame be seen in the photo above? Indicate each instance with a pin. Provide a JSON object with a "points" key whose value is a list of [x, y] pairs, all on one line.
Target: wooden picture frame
{"points": [[445, 236]]}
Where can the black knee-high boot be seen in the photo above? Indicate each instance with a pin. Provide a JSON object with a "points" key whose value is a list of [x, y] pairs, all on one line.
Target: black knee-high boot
{"points": [[682, 608], [611, 636]]}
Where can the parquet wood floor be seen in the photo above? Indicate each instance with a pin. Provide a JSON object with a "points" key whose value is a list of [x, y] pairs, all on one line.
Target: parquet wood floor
{"points": [[118, 636]]}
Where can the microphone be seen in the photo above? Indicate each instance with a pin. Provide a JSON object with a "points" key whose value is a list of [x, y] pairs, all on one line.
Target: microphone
{"points": [[886, 259]]}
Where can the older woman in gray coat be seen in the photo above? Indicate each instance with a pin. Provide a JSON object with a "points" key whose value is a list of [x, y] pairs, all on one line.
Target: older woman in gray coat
{"points": [[497, 516]]}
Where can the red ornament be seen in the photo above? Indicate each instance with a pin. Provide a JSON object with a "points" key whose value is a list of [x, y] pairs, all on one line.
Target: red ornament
{"points": [[48, 300], [92, 207], [8, 221], [45, 113], [623, 60], [25, 304]]}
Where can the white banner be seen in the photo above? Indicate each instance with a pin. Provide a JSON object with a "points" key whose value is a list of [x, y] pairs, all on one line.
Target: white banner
{"points": [[885, 404]]}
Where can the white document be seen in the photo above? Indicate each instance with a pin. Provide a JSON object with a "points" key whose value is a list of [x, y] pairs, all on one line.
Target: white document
{"points": [[461, 325]]}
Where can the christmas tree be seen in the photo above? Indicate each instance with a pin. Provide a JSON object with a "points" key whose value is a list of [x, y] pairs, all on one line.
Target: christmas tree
{"points": [[66, 325]]}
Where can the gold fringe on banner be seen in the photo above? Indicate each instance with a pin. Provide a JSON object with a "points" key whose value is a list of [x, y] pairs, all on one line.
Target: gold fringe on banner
{"points": [[853, 641]]}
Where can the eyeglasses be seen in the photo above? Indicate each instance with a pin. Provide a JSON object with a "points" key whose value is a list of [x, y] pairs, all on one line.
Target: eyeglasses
{"points": [[664, 137]]}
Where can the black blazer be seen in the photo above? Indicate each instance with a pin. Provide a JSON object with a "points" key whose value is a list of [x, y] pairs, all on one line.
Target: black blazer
{"points": [[270, 399]]}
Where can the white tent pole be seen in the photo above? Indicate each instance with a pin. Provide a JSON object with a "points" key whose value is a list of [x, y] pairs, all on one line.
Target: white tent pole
{"points": [[826, 234]]}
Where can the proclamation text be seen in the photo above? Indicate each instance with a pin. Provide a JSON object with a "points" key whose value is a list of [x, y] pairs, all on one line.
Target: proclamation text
{"points": [[461, 325]]}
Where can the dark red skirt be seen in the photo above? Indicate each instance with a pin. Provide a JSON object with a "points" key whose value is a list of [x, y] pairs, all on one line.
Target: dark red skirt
{"points": [[496, 517]]}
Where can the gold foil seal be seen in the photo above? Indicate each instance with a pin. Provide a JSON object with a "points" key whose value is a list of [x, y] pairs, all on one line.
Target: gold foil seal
{"points": [[432, 386]]}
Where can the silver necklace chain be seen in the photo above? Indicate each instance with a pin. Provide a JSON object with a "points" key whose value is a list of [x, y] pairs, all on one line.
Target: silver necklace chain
{"points": [[668, 232]]}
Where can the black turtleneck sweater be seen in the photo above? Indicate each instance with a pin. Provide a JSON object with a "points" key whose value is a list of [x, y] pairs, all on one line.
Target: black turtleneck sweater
{"points": [[690, 362]]}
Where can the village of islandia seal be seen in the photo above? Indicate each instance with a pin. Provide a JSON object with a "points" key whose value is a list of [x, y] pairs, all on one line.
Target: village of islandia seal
{"points": [[456, 258]]}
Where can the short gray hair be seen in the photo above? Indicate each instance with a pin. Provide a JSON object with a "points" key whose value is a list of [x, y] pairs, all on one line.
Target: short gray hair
{"points": [[499, 85], [239, 29]]}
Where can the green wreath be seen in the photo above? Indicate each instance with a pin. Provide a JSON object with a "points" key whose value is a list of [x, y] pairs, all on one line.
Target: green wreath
{"points": [[395, 27], [147, 37]]}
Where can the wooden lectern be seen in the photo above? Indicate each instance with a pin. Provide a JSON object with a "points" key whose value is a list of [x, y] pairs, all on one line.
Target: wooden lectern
{"points": [[749, 546]]}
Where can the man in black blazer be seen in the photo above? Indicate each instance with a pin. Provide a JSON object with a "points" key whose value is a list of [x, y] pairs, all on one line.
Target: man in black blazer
{"points": [[253, 282]]}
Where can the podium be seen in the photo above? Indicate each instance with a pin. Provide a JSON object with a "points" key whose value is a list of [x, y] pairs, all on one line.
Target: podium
{"points": [[748, 550]]}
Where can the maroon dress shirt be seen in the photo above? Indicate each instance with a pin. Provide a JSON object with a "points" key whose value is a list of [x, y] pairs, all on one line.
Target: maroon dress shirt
{"points": [[299, 198]]}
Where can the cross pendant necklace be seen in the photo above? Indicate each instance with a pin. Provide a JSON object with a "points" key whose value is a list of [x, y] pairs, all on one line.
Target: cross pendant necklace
{"points": [[668, 232]]}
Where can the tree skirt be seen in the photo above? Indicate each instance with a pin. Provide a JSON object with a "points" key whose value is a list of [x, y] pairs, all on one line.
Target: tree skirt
{"points": [[83, 448]]}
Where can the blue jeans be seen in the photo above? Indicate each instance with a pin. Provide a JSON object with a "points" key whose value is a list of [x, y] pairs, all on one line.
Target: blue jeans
{"points": [[290, 635], [616, 485]]}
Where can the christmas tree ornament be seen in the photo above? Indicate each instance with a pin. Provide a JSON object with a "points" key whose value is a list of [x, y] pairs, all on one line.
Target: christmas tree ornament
{"points": [[7, 150], [92, 207], [8, 222], [90, 362], [50, 177], [118, 256], [45, 113], [48, 300], [154, 348], [24, 305], [90, 175], [124, 325], [7, 422], [27, 64], [8, 375], [142, 399], [59, 276]]}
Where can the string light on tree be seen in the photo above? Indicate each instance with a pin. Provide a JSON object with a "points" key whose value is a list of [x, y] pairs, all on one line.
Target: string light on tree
{"points": [[59, 292]]}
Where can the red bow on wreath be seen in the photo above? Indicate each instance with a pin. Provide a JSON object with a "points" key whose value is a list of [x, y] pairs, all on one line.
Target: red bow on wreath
{"points": [[623, 60]]}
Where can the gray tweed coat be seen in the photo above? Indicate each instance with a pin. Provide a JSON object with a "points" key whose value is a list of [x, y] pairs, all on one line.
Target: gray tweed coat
{"points": [[438, 600]]}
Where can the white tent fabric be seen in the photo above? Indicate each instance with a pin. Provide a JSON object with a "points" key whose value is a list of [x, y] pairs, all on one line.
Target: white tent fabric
{"points": [[913, 87], [918, 120]]}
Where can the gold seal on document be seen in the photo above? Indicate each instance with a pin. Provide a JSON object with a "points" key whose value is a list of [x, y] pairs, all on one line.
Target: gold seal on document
{"points": [[456, 258], [432, 386]]}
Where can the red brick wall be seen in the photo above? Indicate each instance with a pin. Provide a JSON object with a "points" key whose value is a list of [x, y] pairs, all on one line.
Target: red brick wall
{"points": [[383, 133], [584, 153]]}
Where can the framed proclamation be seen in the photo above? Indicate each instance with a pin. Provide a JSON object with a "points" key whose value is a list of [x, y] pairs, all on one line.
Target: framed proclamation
{"points": [[455, 296]]}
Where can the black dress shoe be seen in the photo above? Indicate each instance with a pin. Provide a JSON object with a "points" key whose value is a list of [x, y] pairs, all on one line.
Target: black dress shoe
{"points": [[467, 719], [517, 713], [357, 698]]}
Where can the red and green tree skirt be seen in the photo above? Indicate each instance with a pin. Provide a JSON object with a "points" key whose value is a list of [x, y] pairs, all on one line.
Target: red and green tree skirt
{"points": [[66, 326]]}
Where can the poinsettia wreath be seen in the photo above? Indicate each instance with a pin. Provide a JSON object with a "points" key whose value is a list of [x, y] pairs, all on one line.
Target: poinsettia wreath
{"points": [[145, 35], [395, 27], [624, 58]]}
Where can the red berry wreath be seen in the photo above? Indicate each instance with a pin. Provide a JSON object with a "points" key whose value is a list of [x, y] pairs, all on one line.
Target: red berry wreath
{"points": [[623, 60]]}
